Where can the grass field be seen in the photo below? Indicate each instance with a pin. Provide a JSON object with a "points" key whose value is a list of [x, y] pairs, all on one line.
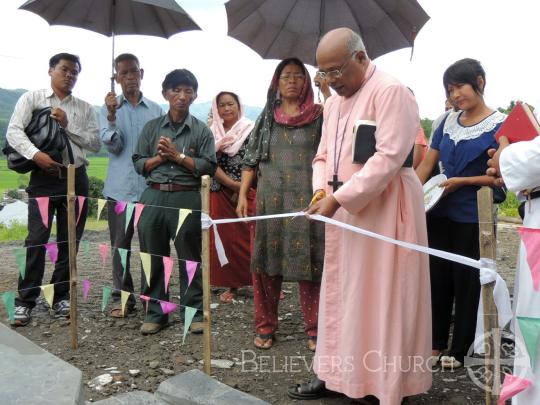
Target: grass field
{"points": [[11, 180]]}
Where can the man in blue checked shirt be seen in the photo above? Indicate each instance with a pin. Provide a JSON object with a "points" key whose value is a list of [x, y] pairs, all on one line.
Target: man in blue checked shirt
{"points": [[121, 120]]}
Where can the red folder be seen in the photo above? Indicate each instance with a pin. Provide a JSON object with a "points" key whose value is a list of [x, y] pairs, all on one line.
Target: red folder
{"points": [[520, 125]]}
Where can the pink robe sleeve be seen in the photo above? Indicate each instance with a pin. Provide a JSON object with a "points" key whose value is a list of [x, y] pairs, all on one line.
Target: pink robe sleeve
{"points": [[397, 125], [319, 162]]}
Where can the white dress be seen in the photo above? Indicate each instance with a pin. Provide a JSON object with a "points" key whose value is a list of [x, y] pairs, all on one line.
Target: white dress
{"points": [[520, 167]]}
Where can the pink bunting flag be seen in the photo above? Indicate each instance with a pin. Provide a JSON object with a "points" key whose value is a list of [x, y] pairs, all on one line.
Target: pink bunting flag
{"points": [[52, 250], [146, 299], [531, 240], [138, 211], [512, 386], [167, 307], [43, 205], [167, 268], [85, 289], [120, 207], [81, 199], [191, 268], [103, 252]]}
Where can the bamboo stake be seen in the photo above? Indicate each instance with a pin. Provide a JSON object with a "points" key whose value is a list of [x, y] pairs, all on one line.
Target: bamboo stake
{"points": [[72, 247], [492, 336], [207, 337]]}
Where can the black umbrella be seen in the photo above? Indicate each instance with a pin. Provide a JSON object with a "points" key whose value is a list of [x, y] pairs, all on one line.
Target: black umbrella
{"points": [[160, 18], [277, 29]]}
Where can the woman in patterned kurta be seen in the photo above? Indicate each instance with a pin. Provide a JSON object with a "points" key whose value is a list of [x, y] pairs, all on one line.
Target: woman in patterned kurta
{"points": [[279, 155], [231, 131]]}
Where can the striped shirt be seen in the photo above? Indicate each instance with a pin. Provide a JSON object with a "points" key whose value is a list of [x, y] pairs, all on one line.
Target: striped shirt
{"points": [[82, 129]]}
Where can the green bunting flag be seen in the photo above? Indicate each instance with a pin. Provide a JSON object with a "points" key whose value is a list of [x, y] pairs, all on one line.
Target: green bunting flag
{"points": [[123, 258], [20, 258], [129, 213], [106, 296], [9, 301], [530, 328], [86, 248], [189, 313]]}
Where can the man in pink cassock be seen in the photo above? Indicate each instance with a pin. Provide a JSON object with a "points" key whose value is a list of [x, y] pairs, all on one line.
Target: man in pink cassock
{"points": [[374, 313]]}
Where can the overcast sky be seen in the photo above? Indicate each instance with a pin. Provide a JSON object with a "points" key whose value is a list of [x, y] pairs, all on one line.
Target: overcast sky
{"points": [[502, 34]]}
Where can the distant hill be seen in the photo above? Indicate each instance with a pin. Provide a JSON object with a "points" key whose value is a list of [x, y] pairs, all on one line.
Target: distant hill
{"points": [[8, 98]]}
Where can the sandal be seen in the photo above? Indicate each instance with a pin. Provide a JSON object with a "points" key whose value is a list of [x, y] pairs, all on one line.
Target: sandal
{"points": [[264, 341], [450, 362], [312, 343], [116, 312], [227, 297], [314, 389]]}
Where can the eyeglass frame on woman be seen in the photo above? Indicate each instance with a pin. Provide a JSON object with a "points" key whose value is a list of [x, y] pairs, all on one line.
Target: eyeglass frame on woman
{"points": [[295, 76], [336, 73]]}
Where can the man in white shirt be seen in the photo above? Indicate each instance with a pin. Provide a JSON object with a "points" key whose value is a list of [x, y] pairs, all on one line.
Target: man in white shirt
{"points": [[79, 120]]}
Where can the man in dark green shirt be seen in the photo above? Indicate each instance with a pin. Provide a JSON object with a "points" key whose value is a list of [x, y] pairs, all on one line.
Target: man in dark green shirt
{"points": [[173, 152]]}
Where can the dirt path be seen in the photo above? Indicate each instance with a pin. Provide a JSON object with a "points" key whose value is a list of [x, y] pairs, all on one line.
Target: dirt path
{"points": [[106, 343]]}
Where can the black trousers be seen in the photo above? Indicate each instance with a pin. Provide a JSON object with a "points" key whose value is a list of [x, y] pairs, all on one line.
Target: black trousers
{"points": [[43, 185], [157, 227], [451, 281], [120, 238]]}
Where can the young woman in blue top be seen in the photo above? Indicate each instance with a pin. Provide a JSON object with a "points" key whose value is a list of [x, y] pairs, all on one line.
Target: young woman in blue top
{"points": [[460, 144]]}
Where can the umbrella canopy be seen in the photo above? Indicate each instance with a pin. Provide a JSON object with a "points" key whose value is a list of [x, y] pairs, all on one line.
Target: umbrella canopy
{"points": [[278, 29], [160, 18]]}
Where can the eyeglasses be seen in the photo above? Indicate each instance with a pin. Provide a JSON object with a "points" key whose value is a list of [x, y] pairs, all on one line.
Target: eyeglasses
{"points": [[294, 76], [336, 73]]}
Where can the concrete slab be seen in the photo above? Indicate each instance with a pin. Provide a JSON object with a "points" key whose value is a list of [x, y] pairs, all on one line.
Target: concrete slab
{"points": [[31, 375], [132, 398], [196, 386]]}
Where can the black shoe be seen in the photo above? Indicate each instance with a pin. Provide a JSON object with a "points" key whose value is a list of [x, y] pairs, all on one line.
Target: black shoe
{"points": [[314, 389], [61, 309], [21, 316]]}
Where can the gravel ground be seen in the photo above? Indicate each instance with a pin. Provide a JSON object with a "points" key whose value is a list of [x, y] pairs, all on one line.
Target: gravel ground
{"points": [[106, 343]]}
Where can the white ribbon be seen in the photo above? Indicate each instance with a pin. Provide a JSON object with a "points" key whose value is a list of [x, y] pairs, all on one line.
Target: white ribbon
{"points": [[487, 267]]}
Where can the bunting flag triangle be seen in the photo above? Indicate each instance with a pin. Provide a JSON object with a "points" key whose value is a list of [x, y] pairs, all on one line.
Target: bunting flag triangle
{"points": [[167, 269], [86, 248], [123, 259], [103, 252], [182, 214], [48, 293], [167, 307], [138, 211], [191, 268], [120, 207], [81, 199], [85, 288], [20, 258], [9, 301], [512, 386], [530, 328], [43, 205], [146, 300], [189, 313], [146, 261], [100, 205], [52, 250], [124, 295], [531, 240], [105, 299], [129, 214]]}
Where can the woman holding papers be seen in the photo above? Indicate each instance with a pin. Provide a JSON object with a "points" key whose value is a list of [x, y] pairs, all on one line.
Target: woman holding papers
{"points": [[460, 144]]}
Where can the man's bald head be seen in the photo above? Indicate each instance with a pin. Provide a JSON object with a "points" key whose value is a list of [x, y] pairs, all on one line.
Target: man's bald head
{"points": [[342, 50]]}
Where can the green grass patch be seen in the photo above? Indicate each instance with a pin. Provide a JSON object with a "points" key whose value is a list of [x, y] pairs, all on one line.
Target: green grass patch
{"points": [[12, 180], [17, 231], [509, 208]]}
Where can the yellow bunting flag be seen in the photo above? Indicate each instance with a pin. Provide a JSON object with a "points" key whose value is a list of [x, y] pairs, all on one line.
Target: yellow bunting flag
{"points": [[123, 299], [48, 293], [146, 260], [100, 204], [182, 214]]}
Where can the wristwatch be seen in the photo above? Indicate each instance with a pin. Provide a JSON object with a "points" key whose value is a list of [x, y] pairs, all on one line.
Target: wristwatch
{"points": [[181, 158]]}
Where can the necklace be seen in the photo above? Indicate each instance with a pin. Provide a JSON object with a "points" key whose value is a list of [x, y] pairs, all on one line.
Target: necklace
{"points": [[335, 183]]}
